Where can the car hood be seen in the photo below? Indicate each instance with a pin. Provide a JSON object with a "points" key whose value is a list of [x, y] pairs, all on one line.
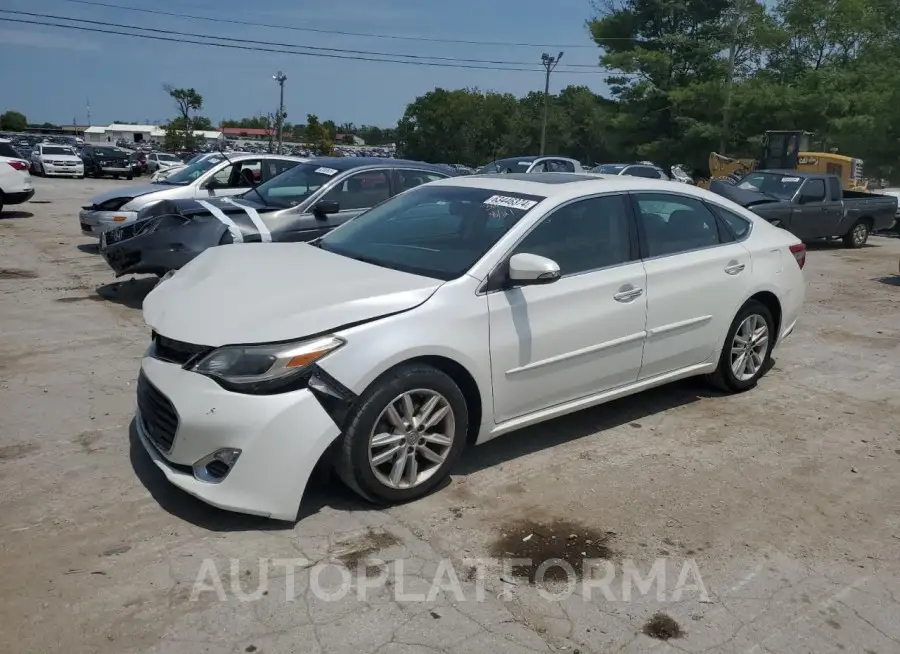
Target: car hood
{"points": [[744, 197], [129, 192], [62, 157], [268, 292]]}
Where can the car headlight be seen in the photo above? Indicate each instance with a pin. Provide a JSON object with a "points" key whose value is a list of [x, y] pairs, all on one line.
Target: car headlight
{"points": [[150, 225], [265, 369]]}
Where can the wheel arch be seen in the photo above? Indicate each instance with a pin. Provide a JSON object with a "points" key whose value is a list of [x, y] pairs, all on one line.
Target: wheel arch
{"points": [[461, 376], [769, 300]]}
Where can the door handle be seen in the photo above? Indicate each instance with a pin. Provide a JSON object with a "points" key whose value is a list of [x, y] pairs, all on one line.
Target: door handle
{"points": [[735, 268], [627, 296]]}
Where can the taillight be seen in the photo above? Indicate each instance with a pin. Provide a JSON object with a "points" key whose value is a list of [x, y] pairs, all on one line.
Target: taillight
{"points": [[799, 252], [18, 165]]}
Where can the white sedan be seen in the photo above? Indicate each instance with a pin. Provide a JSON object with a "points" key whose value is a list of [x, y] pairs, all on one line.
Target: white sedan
{"points": [[448, 315], [162, 160]]}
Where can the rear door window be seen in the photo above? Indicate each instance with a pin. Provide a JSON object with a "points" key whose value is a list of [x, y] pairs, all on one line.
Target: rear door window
{"points": [[673, 223]]}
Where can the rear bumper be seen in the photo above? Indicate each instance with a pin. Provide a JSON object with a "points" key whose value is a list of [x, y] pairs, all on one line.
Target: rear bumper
{"points": [[18, 197]]}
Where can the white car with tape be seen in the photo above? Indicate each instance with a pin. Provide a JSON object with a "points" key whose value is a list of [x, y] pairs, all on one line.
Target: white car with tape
{"points": [[213, 177], [450, 314]]}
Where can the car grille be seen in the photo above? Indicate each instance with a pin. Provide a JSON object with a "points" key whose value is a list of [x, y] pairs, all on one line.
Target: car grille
{"points": [[158, 416], [168, 349], [119, 234]]}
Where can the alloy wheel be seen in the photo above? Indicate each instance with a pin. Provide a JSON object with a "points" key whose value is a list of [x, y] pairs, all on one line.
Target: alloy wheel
{"points": [[749, 347], [859, 234], [412, 438]]}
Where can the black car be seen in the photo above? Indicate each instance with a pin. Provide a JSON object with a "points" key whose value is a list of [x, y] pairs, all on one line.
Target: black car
{"points": [[301, 204], [103, 160]]}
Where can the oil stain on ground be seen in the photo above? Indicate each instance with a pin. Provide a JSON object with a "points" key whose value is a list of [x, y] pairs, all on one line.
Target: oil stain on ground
{"points": [[543, 542], [17, 273], [662, 627], [10, 452], [357, 550]]}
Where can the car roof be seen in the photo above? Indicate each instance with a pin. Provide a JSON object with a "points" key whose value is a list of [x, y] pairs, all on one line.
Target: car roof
{"points": [[786, 171], [572, 185], [346, 163]]}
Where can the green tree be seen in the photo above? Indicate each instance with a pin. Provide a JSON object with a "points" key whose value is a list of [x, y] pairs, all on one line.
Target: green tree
{"points": [[186, 101], [318, 136], [13, 121]]}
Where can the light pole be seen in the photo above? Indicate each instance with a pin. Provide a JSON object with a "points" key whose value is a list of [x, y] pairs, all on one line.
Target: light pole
{"points": [[549, 64], [280, 78]]}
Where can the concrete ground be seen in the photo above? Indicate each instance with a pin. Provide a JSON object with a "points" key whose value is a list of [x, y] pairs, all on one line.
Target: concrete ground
{"points": [[764, 522]]}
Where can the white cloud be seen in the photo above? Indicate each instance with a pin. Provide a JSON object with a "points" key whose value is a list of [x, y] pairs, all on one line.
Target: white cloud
{"points": [[52, 40]]}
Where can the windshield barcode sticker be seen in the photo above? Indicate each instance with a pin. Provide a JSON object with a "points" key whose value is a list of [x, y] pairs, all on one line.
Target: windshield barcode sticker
{"points": [[509, 202], [790, 179], [326, 171]]}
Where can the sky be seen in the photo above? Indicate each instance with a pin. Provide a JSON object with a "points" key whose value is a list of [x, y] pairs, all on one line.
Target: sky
{"points": [[50, 74]]}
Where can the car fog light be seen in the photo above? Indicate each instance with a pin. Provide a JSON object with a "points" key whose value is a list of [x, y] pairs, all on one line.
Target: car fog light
{"points": [[214, 467]]}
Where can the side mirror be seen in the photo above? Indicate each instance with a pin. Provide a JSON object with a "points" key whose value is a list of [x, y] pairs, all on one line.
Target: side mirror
{"points": [[530, 269], [325, 207]]}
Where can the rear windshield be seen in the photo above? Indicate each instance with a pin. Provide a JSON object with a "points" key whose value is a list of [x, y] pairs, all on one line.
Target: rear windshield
{"points": [[609, 169], [435, 231]]}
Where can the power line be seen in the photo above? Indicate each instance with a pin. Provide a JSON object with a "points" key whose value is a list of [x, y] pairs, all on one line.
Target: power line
{"points": [[324, 31], [233, 46], [104, 23]]}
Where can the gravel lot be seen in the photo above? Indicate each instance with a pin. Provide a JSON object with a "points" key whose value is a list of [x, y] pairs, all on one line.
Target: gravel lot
{"points": [[787, 497]]}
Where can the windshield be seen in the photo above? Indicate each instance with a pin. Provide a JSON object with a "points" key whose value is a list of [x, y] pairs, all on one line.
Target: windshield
{"points": [[433, 231], [609, 169], [782, 186], [168, 157], [192, 172], [295, 185], [109, 152], [196, 158], [57, 149]]}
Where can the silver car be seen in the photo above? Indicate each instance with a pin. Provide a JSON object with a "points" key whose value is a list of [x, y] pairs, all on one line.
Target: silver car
{"points": [[214, 177]]}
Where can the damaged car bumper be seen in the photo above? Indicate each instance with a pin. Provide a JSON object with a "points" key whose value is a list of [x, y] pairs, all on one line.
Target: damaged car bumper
{"points": [[213, 443]]}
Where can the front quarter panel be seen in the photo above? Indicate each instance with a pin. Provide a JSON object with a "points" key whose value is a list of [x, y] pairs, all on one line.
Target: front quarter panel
{"points": [[453, 323]]}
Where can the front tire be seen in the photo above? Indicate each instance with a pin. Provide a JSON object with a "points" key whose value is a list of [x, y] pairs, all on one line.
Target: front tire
{"points": [[403, 435], [747, 349], [858, 235]]}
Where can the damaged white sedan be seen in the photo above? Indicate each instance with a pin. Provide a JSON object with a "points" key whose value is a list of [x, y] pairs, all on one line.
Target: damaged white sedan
{"points": [[448, 315]]}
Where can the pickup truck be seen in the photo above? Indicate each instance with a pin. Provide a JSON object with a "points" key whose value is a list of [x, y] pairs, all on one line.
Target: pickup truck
{"points": [[811, 205]]}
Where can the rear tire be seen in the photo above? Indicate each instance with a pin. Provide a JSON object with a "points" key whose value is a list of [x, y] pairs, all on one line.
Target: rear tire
{"points": [[858, 235], [747, 349], [417, 455]]}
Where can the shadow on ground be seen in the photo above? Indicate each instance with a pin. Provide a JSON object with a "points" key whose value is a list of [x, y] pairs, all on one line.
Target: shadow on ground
{"points": [[89, 248], [893, 280], [130, 293], [836, 244], [326, 490], [12, 215]]}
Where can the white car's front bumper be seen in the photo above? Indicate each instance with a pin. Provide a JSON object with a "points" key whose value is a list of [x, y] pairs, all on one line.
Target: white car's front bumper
{"points": [[94, 223], [280, 437], [63, 171]]}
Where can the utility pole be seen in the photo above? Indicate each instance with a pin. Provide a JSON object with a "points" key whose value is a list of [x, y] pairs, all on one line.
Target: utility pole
{"points": [[88, 112], [280, 78], [729, 80], [549, 63]]}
